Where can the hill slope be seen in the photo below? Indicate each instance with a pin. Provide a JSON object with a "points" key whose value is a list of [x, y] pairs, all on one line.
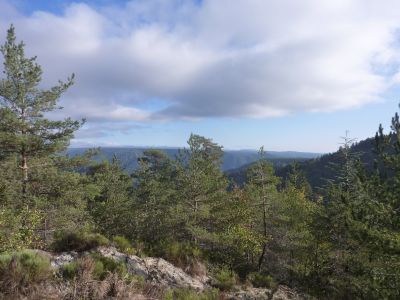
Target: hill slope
{"points": [[233, 159]]}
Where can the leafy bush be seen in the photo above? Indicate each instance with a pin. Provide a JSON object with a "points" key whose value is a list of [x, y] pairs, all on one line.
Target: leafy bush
{"points": [[123, 245], [78, 241], [187, 294], [224, 279], [21, 269], [260, 280], [18, 229]]}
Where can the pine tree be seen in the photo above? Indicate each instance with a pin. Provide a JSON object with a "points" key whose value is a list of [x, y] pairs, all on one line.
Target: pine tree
{"points": [[262, 186], [200, 183], [24, 129], [155, 199]]}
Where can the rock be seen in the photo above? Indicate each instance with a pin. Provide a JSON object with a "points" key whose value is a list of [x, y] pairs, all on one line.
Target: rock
{"points": [[59, 260], [164, 273], [285, 293], [281, 293], [156, 271], [159, 272], [251, 294]]}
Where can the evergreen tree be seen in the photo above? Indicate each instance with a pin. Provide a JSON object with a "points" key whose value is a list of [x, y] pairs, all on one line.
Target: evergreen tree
{"points": [[262, 187], [111, 204], [155, 204], [24, 130], [200, 183]]}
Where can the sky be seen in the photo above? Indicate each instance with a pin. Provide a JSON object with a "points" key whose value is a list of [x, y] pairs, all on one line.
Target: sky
{"points": [[288, 75]]}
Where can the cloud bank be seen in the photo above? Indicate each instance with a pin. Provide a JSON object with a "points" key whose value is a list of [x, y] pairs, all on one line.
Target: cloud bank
{"points": [[214, 58]]}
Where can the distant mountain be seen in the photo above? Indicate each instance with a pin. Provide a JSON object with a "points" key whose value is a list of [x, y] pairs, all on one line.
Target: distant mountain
{"points": [[232, 159]]}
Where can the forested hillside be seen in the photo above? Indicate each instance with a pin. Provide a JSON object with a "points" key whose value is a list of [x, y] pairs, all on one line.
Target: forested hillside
{"points": [[232, 159], [267, 233], [318, 171]]}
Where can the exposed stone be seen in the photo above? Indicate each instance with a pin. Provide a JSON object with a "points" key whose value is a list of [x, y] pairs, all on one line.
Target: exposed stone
{"points": [[59, 260], [251, 293], [281, 293], [159, 272], [286, 293], [155, 270]]}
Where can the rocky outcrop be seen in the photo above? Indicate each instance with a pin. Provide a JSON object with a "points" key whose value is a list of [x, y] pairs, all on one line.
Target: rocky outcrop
{"points": [[156, 271], [161, 273]]}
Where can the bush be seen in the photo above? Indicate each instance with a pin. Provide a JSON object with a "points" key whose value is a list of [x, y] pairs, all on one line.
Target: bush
{"points": [[224, 279], [69, 271], [95, 277], [22, 269], [123, 245], [260, 280], [187, 294], [78, 241], [183, 255], [105, 265], [97, 265]]}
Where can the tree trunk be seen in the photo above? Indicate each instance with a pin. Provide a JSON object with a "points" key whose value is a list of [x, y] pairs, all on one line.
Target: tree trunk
{"points": [[24, 167], [260, 260]]}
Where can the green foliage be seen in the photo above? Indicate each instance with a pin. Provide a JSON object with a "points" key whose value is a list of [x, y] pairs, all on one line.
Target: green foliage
{"points": [[111, 205], [181, 252], [24, 130], [260, 280], [69, 271], [78, 241], [186, 294], [105, 265], [19, 229], [99, 268], [21, 269], [123, 245], [155, 200], [224, 278]]}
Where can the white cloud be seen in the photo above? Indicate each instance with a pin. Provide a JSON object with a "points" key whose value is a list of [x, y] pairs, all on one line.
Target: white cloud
{"points": [[242, 58]]}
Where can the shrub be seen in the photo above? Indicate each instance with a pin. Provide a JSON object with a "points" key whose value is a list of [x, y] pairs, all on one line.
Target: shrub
{"points": [[183, 255], [123, 245], [22, 269], [18, 229], [78, 241], [260, 280], [70, 270], [224, 279], [97, 265], [105, 265]]}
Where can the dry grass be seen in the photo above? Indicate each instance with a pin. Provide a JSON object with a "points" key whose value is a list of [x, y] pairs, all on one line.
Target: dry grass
{"points": [[82, 286]]}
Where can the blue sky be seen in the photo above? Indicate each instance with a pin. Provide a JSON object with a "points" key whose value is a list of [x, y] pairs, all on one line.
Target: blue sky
{"points": [[283, 74]]}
